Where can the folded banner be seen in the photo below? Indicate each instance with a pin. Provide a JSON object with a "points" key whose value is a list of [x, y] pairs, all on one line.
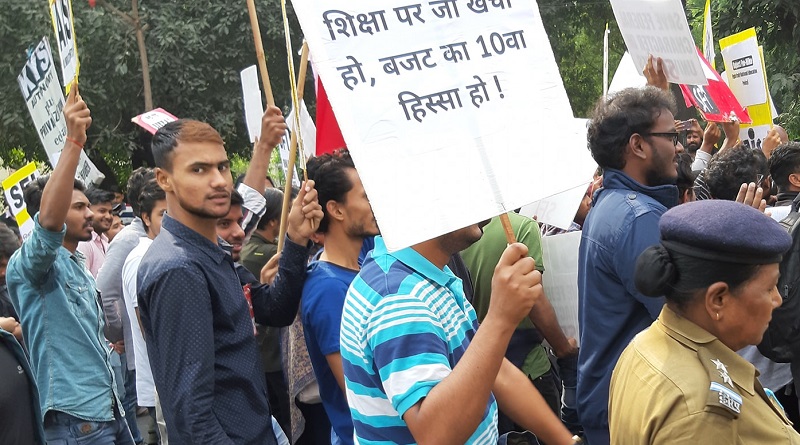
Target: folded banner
{"points": [[38, 82], [715, 101], [448, 107], [12, 189]]}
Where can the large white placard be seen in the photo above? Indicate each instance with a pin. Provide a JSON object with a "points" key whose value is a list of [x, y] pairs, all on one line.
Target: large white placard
{"points": [[450, 108], [659, 28], [745, 75], [253, 107], [626, 76], [39, 85]]}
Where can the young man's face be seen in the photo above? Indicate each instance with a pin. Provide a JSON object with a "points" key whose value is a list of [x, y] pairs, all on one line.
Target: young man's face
{"points": [[359, 220], [116, 227], [79, 218], [200, 179], [102, 219], [229, 228], [154, 218]]}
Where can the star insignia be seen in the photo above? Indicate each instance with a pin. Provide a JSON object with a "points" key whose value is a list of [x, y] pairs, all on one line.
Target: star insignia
{"points": [[720, 366], [726, 378]]}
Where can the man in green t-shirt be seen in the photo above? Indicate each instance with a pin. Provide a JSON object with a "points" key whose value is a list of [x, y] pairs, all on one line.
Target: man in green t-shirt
{"points": [[525, 349]]}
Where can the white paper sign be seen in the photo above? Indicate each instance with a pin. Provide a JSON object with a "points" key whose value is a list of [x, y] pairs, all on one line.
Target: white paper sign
{"points": [[253, 107], [753, 137], [154, 119], [448, 107], [745, 77], [626, 76], [560, 281], [659, 28], [307, 128], [39, 85], [61, 14], [558, 210]]}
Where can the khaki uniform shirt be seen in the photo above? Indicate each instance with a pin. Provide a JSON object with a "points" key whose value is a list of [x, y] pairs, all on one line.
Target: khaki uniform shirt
{"points": [[678, 384]]}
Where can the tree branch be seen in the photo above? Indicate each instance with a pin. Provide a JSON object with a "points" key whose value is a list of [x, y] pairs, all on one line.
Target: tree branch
{"points": [[117, 12]]}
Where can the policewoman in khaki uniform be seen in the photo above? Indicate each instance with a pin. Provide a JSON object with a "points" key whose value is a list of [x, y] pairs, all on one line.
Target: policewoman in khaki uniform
{"points": [[680, 381]]}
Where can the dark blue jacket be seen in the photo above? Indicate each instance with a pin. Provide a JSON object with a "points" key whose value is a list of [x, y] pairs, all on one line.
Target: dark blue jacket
{"points": [[19, 354], [622, 223]]}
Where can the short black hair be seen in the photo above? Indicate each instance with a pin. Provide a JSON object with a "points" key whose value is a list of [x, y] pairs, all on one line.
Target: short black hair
{"points": [[732, 167], [686, 176], [236, 198], [274, 198], [149, 195], [96, 195], [136, 182], [329, 173], [33, 192], [614, 121], [182, 130], [9, 242], [784, 161]]}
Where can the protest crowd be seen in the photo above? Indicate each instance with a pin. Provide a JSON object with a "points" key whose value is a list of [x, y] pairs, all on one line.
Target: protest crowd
{"points": [[223, 312]]}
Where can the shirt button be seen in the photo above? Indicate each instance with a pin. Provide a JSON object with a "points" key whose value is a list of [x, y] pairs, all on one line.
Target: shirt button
{"points": [[632, 196]]}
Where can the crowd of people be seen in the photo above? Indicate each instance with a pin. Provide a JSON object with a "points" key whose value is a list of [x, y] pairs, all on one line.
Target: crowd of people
{"points": [[191, 316]]}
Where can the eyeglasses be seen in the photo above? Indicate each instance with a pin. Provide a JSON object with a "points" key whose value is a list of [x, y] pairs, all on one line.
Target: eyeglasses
{"points": [[674, 135]]}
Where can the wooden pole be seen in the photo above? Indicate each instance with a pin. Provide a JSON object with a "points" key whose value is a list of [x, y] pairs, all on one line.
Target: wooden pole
{"points": [[510, 238], [287, 193], [262, 61]]}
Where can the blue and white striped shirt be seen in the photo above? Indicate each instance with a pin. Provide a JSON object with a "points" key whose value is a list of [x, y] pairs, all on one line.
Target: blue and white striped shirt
{"points": [[405, 325]]}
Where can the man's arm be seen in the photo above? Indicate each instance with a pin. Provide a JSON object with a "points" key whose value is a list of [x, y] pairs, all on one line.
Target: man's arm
{"points": [[545, 319], [518, 399], [109, 283], [35, 257], [179, 332], [516, 286], [276, 304], [273, 127], [642, 234], [57, 194]]}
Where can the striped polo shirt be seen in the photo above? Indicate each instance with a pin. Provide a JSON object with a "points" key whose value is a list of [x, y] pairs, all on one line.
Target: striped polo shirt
{"points": [[405, 325]]}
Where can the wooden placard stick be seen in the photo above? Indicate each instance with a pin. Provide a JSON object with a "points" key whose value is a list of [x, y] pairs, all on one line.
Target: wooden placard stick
{"points": [[510, 238], [262, 60], [287, 193]]}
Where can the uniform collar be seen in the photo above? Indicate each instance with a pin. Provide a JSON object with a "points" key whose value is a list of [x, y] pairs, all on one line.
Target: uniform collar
{"points": [[194, 239], [667, 195], [742, 372]]}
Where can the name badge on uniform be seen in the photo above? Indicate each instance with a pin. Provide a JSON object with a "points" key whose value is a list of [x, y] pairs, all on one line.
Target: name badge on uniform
{"points": [[727, 397]]}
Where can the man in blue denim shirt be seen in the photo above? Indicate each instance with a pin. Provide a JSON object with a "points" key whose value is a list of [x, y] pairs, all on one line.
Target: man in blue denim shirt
{"points": [[59, 308], [194, 314], [632, 137]]}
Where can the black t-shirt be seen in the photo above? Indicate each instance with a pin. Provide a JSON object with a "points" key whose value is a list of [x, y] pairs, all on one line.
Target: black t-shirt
{"points": [[16, 410]]}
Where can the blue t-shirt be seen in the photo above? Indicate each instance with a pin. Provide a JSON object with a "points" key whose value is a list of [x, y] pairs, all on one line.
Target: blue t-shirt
{"points": [[323, 298]]}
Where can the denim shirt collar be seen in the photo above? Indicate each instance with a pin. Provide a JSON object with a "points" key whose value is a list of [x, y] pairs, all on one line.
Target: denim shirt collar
{"points": [[179, 230], [667, 195]]}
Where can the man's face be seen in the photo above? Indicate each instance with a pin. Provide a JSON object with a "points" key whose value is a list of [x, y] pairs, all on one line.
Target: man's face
{"points": [[694, 139], [662, 159], [460, 239], [102, 219], [201, 179], [359, 220], [116, 226], [155, 217], [118, 198], [230, 229], [79, 218]]}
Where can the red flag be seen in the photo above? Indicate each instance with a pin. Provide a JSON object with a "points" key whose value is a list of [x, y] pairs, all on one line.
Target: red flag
{"points": [[329, 136], [715, 101]]}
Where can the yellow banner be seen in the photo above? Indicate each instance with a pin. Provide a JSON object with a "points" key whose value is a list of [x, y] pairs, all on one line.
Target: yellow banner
{"points": [[13, 186]]}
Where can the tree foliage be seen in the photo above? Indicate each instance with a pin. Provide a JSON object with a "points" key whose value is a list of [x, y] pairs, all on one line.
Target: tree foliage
{"points": [[196, 50]]}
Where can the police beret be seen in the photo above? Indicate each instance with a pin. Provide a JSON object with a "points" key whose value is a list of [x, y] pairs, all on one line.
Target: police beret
{"points": [[725, 231]]}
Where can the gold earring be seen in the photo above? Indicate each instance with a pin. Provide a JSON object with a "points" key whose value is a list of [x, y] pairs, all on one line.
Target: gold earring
{"points": [[717, 316]]}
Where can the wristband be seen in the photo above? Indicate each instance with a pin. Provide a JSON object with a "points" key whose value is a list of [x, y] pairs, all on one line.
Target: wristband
{"points": [[69, 139]]}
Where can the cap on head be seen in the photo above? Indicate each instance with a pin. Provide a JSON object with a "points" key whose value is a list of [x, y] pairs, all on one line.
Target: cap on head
{"points": [[719, 230]]}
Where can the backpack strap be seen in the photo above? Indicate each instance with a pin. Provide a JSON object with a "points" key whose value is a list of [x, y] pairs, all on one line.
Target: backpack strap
{"points": [[793, 217]]}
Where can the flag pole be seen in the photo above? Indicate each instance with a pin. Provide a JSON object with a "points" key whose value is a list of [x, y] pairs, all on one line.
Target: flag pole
{"points": [[287, 194], [605, 63], [262, 61]]}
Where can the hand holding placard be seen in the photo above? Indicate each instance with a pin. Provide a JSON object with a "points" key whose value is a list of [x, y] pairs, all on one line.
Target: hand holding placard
{"points": [[78, 117]]}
